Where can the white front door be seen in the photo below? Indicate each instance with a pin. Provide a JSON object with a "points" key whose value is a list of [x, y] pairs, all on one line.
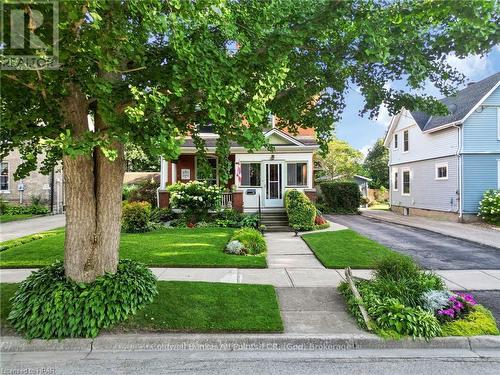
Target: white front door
{"points": [[273, 196]]}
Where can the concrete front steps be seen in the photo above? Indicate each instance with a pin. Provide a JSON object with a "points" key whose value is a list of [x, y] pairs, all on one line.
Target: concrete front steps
{"points": [[275, 221]]}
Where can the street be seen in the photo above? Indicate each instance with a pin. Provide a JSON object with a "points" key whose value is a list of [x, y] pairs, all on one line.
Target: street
{"points": [[431, 250], [395, 361]]}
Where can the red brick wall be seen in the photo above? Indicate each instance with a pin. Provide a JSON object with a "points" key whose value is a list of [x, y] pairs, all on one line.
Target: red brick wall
{"points": [[186, 162], [164, 199]]}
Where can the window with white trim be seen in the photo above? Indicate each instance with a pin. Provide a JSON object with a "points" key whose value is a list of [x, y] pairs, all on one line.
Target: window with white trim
{"points": [[395, 180], [396, 141], [498, 173], [212, 178], [296, 174], [250, 174], [4, 176], [406, 141], [441, 171], [406, 182]]}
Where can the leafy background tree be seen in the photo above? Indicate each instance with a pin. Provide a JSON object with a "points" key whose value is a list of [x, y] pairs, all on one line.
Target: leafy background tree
{"points": [[148, 70], [376, 165], [341, 160], [137, 160]]}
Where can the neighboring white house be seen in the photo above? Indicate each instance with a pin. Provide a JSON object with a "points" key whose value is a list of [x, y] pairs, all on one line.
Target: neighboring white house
{"points": [[259, 179], [441, 165]]}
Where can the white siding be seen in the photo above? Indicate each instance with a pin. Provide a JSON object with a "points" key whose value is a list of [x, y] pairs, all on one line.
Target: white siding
{"points": [[425, 190], [421, 145]]}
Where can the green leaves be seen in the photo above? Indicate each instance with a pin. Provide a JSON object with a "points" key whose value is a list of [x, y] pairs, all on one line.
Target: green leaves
{"points": [[47, 305]]}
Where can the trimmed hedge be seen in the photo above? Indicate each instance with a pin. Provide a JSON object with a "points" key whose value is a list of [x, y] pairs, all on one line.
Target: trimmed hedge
{"points": [[300, 210], [341, 197]]}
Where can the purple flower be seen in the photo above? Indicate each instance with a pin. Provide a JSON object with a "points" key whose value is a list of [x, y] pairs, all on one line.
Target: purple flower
{"points": [[458, 306], [448, 312], [468, 298]]}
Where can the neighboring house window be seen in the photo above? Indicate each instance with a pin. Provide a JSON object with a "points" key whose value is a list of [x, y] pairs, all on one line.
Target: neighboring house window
{"points": [[271, 120], [250, 174], [395, 141], [206, 128], [4, 176], [442, 171], [406, 182], [406, 141], [212, 180], [395, 180], [296, 174], [498, 173]]}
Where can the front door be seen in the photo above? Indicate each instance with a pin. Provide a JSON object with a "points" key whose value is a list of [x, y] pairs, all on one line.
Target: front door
{"points": [[274, 185]]}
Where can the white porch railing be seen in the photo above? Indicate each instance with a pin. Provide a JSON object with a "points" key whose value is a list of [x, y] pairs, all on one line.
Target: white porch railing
{"points": [[227, 200]]}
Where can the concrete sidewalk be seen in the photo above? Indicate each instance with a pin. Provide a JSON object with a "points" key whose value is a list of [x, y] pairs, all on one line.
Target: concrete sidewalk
{"points": [[291, 277], [469, 232], [21, 228]]}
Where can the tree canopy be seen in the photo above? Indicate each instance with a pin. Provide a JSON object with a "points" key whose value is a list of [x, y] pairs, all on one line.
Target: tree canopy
{"points": [[341, 160], [377, 165], [152, 69]]}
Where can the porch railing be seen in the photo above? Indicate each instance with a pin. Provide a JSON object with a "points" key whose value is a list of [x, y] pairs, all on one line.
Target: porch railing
{"points": [[227, 200]]}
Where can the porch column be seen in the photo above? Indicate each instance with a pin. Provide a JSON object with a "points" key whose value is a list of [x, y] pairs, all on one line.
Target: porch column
{"points": [[238, 201]]}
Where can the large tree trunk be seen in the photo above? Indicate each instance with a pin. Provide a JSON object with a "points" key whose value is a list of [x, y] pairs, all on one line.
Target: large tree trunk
{"points": [[93, 186]]}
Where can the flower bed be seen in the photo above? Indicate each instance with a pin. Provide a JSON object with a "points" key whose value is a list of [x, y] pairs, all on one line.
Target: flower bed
{"points": [[246, 241], [402, 300]]}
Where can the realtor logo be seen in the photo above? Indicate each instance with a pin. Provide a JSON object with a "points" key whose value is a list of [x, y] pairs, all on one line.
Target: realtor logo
{"points": [[29, 35]]}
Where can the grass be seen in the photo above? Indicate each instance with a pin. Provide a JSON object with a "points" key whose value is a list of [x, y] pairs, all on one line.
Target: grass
{"points": [[6, 218], [193, 307], [346, 248], [380, 206], [179, 247]]}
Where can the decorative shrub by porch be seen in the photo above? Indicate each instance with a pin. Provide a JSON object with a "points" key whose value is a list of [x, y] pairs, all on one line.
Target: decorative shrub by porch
{"points": [[136, 217], [489, 207], [145, 191], [252, 240], [341, 197], [300, 210], [47, 305], [195, 198], [402, 300]]}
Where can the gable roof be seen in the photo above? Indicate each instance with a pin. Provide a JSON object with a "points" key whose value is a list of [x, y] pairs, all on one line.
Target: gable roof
{"points": [[459, 106]]}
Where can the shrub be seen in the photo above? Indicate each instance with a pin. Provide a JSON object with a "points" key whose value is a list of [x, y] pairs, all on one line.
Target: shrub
{"points": [[196, 198], [235, 247], [489, 207], [300, 210], [33, 209], [250, 221], [136, 217], [127, 190], [478, 322], [341, 197], [48, 305], [252, 240], [390, 314], [397, 268], [162, 215], [145, 191]]}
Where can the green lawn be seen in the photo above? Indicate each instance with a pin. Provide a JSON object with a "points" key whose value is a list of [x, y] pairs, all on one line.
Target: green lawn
{"points": [[6, 218], [163, 248], [346, 248], [193, 307]]}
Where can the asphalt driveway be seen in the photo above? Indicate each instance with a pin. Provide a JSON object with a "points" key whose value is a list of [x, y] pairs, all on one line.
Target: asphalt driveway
{"points": [[431, 250]]}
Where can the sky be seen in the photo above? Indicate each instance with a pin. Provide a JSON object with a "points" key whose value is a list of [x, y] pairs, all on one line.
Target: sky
{"points": [[361, 132]]}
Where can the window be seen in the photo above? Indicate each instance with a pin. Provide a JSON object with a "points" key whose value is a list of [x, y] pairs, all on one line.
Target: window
{"points": [[212, 178], [442, 171], [296, 174], [406, 143], [4, 176], [498, 173], [406, 182], [395, 141], [206, 128], [395, 180], [250, 174]]}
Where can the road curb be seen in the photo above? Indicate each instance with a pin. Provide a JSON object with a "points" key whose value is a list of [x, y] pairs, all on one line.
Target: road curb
{"points": [[405, 224], [242, 342]]}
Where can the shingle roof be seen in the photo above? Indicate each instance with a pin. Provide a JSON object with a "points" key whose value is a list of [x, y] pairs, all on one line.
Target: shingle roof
{"points": [[459, 105], [211, 142]]}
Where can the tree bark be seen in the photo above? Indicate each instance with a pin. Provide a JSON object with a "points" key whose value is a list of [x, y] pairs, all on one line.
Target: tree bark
{"points": [[92, 186]]}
